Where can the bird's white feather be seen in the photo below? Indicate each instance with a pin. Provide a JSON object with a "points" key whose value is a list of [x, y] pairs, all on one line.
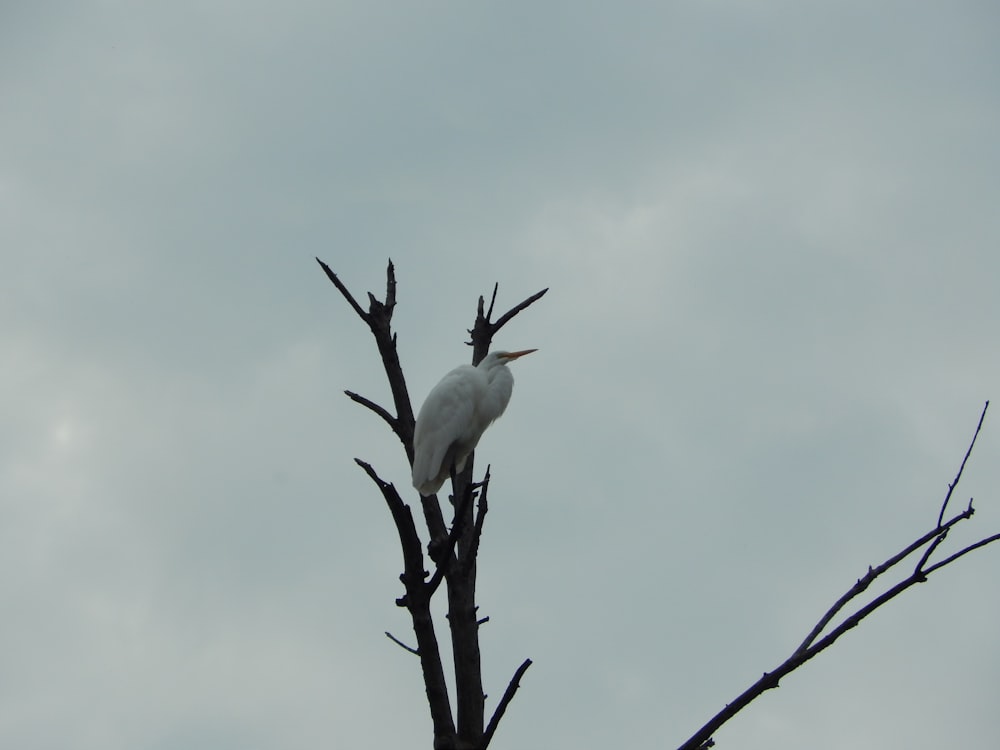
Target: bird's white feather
{"points": [[454, 416]]}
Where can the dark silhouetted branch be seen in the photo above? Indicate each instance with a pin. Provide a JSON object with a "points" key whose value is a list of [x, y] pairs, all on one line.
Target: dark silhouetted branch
{"points": [[865, 581], [417, 601], [501, 709], [958, 476], [402, 645], [447, 554], [413, 556], [477, 529], [813, 644], [379, 321], [493, 298], [483, 330], [506, 317], [343, 290], [962, 553], [389, 419]]}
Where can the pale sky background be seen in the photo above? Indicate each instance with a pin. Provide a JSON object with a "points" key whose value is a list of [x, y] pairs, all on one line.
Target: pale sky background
{"points": [[772, 237]]}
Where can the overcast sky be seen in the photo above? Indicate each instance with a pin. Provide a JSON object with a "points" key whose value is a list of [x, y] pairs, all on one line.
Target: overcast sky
{"points": [[772, 240]]}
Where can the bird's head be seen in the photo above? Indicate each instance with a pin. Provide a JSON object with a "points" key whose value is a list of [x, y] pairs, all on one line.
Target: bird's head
{"points": [[496, 358]]}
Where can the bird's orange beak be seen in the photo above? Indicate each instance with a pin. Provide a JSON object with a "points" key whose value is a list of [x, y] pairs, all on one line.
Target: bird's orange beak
{"points": [[515, 355]]}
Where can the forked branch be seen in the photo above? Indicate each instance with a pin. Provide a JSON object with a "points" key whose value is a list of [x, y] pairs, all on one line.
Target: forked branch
{"points": [[378, 318], [417, 601], [483, 330], [814, 644]]}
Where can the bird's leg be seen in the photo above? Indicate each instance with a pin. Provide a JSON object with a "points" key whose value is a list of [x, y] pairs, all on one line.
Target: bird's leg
{"points": [[454, 483], [464, 492]]}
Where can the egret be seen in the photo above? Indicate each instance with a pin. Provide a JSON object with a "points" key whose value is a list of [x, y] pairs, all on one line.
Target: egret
{"points": [[455, 415]]}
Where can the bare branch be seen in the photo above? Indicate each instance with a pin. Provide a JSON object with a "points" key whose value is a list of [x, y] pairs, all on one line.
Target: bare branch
{"points": [[930, 551], [483, 330], [390, 285], [402, 645], [493, 300], [389, 419], [413, 556], [379, 321], [954, 484], [810, 647], [343, 290], [505, 318], [967, 550], [771, 679], [508, 695], [865, 581], [418, 604]]}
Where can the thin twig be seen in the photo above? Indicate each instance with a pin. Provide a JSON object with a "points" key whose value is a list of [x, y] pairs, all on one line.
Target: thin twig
{"points": [[402, 645], [343, 290], [382, 412], [954, 484], [864, 582], [505, 318], [508, 695], [771, 679], [960, 553], [493, 299]]}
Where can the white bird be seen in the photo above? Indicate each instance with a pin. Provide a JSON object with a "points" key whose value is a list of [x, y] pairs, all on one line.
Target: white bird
{"points": [[455, 415]]}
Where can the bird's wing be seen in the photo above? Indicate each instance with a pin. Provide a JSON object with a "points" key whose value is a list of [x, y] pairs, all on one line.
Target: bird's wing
{"points": [[444, 419]]}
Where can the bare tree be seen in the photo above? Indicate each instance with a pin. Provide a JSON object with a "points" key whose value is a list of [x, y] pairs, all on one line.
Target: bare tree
{"points": [[453, 551]]}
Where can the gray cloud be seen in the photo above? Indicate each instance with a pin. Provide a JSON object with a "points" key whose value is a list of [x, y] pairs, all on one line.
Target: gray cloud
{"points": [[768, 230]]}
